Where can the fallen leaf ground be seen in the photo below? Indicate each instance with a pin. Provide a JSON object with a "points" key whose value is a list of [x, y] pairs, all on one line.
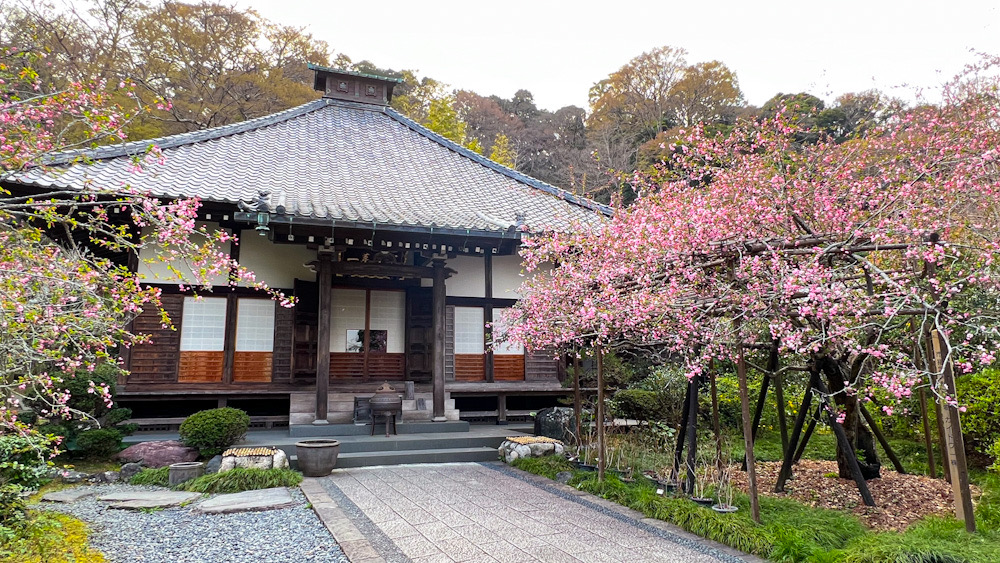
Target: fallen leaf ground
{"points": [[900, 500]]}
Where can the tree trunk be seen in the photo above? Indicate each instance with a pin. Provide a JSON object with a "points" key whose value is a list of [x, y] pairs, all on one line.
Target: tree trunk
{"points": [[860, 438]]}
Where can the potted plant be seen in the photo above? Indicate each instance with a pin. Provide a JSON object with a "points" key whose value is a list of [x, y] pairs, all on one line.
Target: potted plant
{"points": [[724, 490], [318, 457], [698, 495]]}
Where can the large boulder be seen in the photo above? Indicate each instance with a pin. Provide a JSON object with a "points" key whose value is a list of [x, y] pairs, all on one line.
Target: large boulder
{"points": [[555, 423], [158, 454]]}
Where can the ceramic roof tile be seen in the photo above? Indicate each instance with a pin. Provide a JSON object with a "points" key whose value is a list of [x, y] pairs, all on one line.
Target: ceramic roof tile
{"points": [[335, 160]]}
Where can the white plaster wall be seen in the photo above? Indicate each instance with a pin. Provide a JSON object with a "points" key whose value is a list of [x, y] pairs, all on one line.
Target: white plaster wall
{"points": [[470, 281], [276, 264], [507, 276], [153, 271]]}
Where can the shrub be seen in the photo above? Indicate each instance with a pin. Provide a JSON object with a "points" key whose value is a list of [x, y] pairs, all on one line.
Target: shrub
{"points": [[637, 404], [214, 430], [24, 459], [980, 393], [547, 466], [159, 477], [240, 479], [102, 443], [12, 506]]}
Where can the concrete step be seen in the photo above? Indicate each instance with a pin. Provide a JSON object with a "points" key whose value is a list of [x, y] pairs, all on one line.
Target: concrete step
{"points": [[446, 455], [334, 430]]}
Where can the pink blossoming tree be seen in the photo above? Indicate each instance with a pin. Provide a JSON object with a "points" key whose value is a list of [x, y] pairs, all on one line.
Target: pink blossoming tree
{"points": [[854, 258], [67, 293]]}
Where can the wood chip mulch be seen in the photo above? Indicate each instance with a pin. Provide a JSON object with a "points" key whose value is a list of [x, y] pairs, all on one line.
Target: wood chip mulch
{"points": [[900, 500]]}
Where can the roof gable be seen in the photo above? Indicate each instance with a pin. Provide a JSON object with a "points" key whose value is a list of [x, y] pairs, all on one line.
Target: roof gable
{"points": [[337, 161]]}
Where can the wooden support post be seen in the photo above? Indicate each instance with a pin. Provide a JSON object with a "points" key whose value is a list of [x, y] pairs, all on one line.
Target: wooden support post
{"points": [[681, 435], [692, 435], [488, 360], [577, 399], [933, 367], [324, 279], [786, 463], [748, 438], [779, 398], [501, 409], [805, 439], [845, 445], [758, 413], [229, 340], [953, 434], [716, 426], [601, 446], [438, 313], [881, 439], [928, 441], [922, 395]]}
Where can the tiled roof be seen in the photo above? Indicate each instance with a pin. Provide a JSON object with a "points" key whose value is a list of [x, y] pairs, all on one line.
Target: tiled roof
{"points": [[337, 161]]}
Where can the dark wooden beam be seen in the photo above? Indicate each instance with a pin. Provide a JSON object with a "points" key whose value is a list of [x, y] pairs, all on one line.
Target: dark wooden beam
{"points": [[438, 323], [370, 269], [488, 314], [800, 420], [881, 439], [324, 279], [845, 445], [805, 439], [748, 438], [229, 339], [601, 445], [577, 399], [681, 435], [692, 434], [367, 341]]}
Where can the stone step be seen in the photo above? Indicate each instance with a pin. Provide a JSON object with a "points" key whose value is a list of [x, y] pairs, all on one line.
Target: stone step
{"points": [[334, 430], [364, 444], [445, 455]]}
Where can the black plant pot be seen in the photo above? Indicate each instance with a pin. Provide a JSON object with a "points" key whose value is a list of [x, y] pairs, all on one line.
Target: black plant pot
{"points": [[704, 501]]}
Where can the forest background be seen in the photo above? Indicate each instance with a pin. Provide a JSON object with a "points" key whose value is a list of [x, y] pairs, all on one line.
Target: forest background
{"points": [[221, 64]]}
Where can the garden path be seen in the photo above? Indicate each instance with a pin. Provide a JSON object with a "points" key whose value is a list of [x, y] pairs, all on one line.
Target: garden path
{"points": [[489, 512]]}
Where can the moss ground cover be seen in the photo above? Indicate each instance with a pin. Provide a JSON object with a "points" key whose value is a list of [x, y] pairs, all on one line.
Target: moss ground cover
{"points": [[793, 532]]}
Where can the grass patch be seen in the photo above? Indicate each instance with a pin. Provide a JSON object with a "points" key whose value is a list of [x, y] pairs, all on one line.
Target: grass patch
{"points": [[793, 532], [49, 537], [547, 466], [239, 479], [159, 477]]}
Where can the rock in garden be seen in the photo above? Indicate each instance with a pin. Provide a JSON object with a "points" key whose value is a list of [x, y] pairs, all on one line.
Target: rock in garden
{"points": [[253, 458], [529, 446], [69, 495], [73, 476], [212, 466], [564, 477], [158, 454], [554, 422], [129, 470]]}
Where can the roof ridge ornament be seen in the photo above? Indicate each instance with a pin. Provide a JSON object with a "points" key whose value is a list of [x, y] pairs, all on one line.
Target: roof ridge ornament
{"points": [[352, 86]]}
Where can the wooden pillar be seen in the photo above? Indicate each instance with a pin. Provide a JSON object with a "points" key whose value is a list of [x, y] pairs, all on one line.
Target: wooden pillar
{"points": [[881, 439], [601, 446], [928, 441], [229, 340], [741, 373], [845, 444], [953, 435], [324, 279], [488, 315], [716, 426], [438, 313], [692, 434], [789, 457], [501, 409], [577, 398], [681, 434]]}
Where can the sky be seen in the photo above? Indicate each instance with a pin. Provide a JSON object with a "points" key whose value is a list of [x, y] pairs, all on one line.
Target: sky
{"points": [[558, 50]]}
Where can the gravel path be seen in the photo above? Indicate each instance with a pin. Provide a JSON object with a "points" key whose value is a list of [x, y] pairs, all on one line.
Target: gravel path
{"points": [[179, 535]]}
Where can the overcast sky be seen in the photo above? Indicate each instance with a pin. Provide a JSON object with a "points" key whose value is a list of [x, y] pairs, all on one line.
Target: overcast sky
{"points": [[557, 50]]}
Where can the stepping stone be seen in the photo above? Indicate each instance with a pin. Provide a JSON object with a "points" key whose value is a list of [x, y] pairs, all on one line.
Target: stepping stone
{"points": [[263, 499], [137, 500], [68, 495]]}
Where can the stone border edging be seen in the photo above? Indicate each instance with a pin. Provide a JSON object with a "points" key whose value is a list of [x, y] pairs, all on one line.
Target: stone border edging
{"points": [[331, 512], [659, 528]]}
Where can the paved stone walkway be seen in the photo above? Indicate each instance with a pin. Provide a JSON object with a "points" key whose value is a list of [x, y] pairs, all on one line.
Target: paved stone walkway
{"points": [[488, 512]]}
